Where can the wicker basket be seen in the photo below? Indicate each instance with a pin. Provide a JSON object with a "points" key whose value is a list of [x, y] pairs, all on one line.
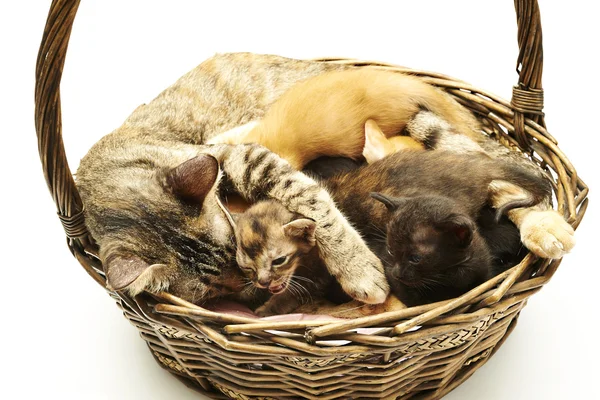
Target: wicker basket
{"points": [[226, 356]]}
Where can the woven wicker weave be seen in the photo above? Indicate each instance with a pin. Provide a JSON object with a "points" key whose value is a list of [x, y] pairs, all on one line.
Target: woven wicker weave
{"points": [[331, 360]]}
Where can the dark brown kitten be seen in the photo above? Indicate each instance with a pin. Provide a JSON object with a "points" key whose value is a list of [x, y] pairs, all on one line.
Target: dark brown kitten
{"points": [[427, 233], [501, 236]]}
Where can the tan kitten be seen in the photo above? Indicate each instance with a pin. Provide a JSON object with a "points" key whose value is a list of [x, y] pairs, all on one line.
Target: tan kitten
{"points": [[325, 115], [276, 251]]}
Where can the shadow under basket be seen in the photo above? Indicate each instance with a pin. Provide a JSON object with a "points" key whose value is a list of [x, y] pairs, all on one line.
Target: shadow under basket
{"points": [[421, 352]]}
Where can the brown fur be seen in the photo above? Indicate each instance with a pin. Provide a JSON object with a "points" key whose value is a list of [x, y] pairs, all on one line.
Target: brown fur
{"points": [[427, 234]]}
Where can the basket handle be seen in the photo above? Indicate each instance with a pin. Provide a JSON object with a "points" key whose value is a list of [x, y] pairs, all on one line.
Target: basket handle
{"points": [[528, 96], [527, 101]]}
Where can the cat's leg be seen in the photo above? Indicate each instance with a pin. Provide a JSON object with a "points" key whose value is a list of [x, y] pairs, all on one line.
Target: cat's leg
{"points": [[543, 230], [352, 309], [235, 135], [257, 173], [434, 132], [377, 145], [279, 304]]}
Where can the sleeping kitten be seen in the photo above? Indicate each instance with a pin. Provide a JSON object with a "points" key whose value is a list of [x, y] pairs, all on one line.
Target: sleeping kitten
{"points": [[276, 251], [500, 234], [325, 115], [502, 239], [432, 249], [152, 191], [427, 233]]}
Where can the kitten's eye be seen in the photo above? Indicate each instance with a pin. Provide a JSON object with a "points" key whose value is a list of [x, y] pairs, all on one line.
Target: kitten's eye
{"points": [[244, 267], [279, 261], [414, 259], [389, 252]]}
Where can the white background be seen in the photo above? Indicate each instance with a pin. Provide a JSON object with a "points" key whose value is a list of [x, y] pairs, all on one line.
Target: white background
{"points": [[62, 336]]}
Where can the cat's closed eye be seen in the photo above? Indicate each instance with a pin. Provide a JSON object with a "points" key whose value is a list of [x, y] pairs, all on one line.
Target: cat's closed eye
{"points": [[244, 267], [279, 261]]}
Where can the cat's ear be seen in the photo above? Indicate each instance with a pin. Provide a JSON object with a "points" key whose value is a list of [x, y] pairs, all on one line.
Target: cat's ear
{"points": [[135, 275], [392, 203], [460, 227], [192, 180], [301, 229], [376, 144]]}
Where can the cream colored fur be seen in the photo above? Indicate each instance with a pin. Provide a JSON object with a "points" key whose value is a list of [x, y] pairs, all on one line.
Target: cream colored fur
{"points": [[325, 115], [543, 230], [156, 278], [377, 145]]}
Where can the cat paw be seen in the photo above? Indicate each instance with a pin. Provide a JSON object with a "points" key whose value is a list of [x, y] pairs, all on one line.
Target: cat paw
{"points": [[363, 278], [268, 309], [547, 234], [264, 311]]}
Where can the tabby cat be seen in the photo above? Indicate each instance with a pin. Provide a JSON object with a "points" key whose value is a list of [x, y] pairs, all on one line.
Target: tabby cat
{"points": [[152, 192]]}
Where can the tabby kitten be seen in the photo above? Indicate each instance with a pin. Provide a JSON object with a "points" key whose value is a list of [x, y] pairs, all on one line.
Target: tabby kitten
{"points": [[276, 251], [427, 234], [152, 192]]}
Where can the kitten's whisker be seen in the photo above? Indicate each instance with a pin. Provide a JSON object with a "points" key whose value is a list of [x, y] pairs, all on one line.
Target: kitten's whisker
{"points": [[300, 289], [302, 278], [378, 229]]}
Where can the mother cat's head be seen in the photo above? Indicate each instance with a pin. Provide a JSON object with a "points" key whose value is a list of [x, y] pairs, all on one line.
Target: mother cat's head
{"points": [[170, 234]]}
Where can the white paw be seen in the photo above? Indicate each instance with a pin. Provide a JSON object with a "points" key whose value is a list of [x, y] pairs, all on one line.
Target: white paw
{"points": [[363, 278], [547, 234]]}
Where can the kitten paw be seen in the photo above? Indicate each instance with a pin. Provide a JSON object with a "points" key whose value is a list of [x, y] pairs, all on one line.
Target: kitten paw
{"points": [[364, 279], [268, 309], [547, 234], [264, 311]]}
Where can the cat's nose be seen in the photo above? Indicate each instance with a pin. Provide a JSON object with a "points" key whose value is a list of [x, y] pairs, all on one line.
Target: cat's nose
{"points": [[263, 283]]}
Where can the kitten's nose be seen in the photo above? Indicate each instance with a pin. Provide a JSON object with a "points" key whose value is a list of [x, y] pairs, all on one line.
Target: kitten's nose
{"points": [[406, 274], [263, 283]]}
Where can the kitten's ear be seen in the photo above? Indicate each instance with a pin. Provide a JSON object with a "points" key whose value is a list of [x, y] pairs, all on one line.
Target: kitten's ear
{"points": [[460, 227], [376, 144], [135, 275], [301, 229], [193, 179], [392, 203]]}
